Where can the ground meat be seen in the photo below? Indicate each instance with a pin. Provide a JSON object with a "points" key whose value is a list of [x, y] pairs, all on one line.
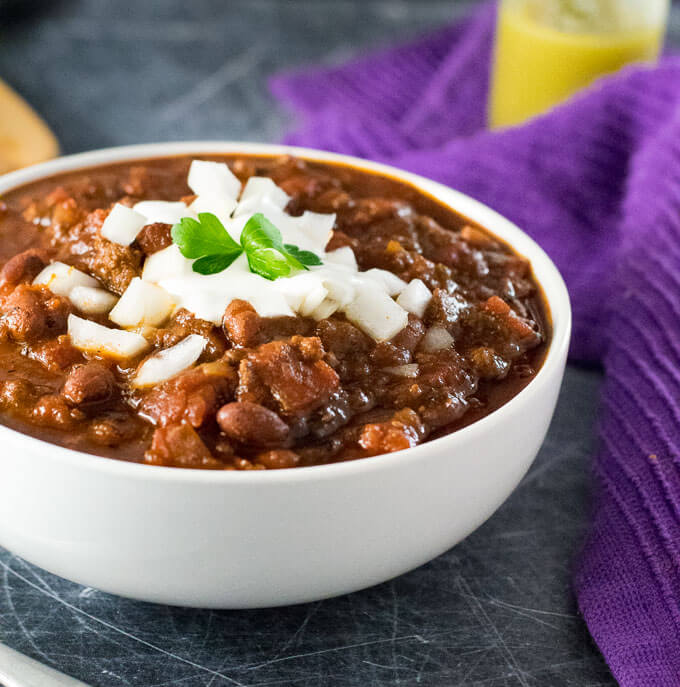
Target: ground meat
{"points": [[348, 348], [276, 460], [487, 364], [59, 209], [477, 237], [406, 264], [55, 354], [192, 397], [399, 350], [92, 382], [154, 237], [341, 240], [403, 430], [23, 267], [448, 310], [448, 248], [439, 390], [53, 411], [114, 429], [114, 265], [494, 319], [368, 211], [244, 328], [144, 181], [250, 423], [180, 445], [31, 313], [16, 394], [292, 376], [182, 324]]}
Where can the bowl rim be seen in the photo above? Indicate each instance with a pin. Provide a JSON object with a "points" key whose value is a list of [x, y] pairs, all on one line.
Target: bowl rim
{"points": [[554, 289]]}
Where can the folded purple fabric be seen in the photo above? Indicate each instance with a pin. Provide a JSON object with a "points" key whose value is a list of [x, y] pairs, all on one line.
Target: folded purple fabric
{"points": [[597, 183]]}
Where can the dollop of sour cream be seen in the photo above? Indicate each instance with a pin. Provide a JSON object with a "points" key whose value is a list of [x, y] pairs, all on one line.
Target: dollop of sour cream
{"points": [[367, 298]]}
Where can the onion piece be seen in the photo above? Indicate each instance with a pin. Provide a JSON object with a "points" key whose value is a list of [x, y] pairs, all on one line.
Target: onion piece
{"points": [[339, 287], [408, 370], [415, 297], [436, 339], [61, 278], [167, 212], [142, 303], [387, 280], [295, 289], [312, 300], [113, 343], [92, 301], [168, 263], [375, 313], [317, 227], [213, 179], [325, 309], [122, 225], [170, 362], [219, 206], [343, 257], [259, 194]]}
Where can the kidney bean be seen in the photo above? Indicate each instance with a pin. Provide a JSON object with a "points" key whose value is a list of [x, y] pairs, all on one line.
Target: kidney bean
{"points": [[250, 423]]}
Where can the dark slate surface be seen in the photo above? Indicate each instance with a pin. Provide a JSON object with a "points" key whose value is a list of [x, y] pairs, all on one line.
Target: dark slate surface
{"points": [[495, 611]]}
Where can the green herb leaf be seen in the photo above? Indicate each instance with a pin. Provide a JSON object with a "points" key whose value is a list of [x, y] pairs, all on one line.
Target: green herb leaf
{"points": [[208, 242], [207, 236], [306, 257], [212, 264], [259, 232], [268, 263]]}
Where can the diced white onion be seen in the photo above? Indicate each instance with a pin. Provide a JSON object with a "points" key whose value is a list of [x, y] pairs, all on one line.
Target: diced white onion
{"points": [[408, 370], [170, 362], [260, 194], [312, 301], [436, 339], [339, 287], [95, 338], [296, 288], [220, 206], [374, 312], [61, 279], [343, 257], [92, 301], [415, 297], [324, 309], [213, 179], [142, 303], [168, 263], [389, 281], [163, 211], [317, 227], [122, 225]]}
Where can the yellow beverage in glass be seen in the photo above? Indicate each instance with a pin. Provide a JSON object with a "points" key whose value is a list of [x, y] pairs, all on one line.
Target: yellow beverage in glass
{"points": [[548, 49]]}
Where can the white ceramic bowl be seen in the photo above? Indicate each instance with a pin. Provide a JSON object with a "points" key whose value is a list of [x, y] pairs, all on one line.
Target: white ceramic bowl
{"points": [[254, 539]]}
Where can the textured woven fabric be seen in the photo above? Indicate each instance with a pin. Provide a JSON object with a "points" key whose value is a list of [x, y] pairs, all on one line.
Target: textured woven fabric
{"points": [[597, 183]]}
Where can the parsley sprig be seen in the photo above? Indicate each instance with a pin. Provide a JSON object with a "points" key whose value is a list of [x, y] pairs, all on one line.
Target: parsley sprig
{"points": [[207, 242]]}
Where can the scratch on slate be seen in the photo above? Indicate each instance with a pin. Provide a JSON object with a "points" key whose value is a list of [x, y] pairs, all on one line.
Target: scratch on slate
{"points": [[510, 657], [505, 604], [301, 629], [19, 621], [529, 612], [334, 649], [78, 611]]}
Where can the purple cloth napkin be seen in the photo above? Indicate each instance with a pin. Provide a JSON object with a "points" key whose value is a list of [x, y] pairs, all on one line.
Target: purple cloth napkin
{"points": [[597, 184]]}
